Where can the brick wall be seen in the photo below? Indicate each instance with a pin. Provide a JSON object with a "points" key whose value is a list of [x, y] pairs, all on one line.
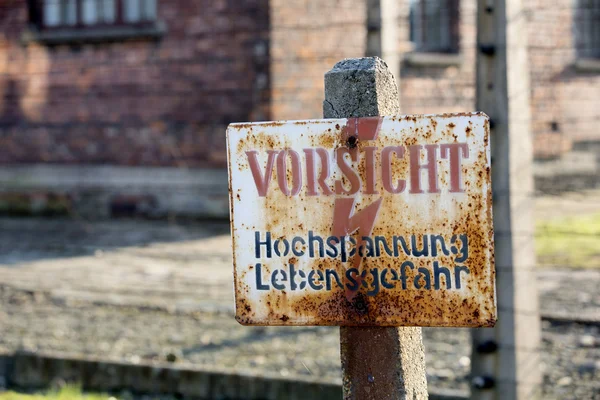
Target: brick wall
{"points": [[429, 88], [137, 102], [307, 38], [167, 102], [563, 99]]}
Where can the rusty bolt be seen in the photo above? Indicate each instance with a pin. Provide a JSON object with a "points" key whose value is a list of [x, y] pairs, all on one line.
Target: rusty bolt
{"points": [[359, 304], [351, 142]]}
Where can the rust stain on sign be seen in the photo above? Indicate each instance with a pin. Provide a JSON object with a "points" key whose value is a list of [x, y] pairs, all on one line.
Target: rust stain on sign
{"points": [[383, 221]]}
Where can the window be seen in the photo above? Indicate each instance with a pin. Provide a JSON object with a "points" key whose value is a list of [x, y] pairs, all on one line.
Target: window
{"points": [[52, 14], [55, 22], [587, 28], [434, 25]]}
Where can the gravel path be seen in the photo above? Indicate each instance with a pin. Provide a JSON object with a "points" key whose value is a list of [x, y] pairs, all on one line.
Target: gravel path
{"points": [[140, 290]]}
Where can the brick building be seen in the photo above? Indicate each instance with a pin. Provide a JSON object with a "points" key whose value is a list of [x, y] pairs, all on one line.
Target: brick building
{"points": [[121, 105]]}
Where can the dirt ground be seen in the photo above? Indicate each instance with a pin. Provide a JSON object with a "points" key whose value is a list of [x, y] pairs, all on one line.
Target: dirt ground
{"points": [[153, 290], [567, 205]]}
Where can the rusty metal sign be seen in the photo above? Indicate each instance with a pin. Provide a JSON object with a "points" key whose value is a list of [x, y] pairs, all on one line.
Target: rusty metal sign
{"points": [[383, 221]]}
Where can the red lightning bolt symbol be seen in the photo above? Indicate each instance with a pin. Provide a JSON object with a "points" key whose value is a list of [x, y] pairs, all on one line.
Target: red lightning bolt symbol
{"points": [[345, 221]]}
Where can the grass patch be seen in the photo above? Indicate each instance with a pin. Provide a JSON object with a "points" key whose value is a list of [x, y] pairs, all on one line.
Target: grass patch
{"points": [[74, 392], [65, 393], [569, 242]]}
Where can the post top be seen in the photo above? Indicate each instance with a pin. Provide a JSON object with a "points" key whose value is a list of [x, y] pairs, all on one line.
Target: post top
{"points": [[360, 87], [359, 64]]}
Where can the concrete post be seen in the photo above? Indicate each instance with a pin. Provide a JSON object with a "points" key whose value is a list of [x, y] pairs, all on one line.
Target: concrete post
{"points": [[377, 363], [382, 33], [505, 361]]}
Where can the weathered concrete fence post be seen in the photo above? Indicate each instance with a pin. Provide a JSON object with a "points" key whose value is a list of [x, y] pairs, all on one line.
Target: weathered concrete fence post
{"points": [[506, 360], [389, 362]]}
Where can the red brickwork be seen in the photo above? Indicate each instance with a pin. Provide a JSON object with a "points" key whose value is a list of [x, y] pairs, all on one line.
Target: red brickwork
{"points": [[307, 38], [167, 102], [429, 89], [136, 102], [563, 99]]}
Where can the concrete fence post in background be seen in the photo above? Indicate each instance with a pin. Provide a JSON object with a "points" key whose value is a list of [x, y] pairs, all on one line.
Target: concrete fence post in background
{"points": [[382, 33], [506, 360], [377, 363]]}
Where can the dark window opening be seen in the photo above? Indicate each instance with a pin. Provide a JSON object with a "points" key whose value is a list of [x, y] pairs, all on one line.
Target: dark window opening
{"points": [[587, 28], [87, 14], [434, 25]]}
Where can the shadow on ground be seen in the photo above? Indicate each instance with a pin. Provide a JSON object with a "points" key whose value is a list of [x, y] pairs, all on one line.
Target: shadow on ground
{"points": [[30, 239]]}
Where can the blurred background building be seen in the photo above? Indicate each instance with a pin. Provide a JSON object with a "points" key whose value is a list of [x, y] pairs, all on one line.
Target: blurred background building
{"points": [[119, 107]]}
